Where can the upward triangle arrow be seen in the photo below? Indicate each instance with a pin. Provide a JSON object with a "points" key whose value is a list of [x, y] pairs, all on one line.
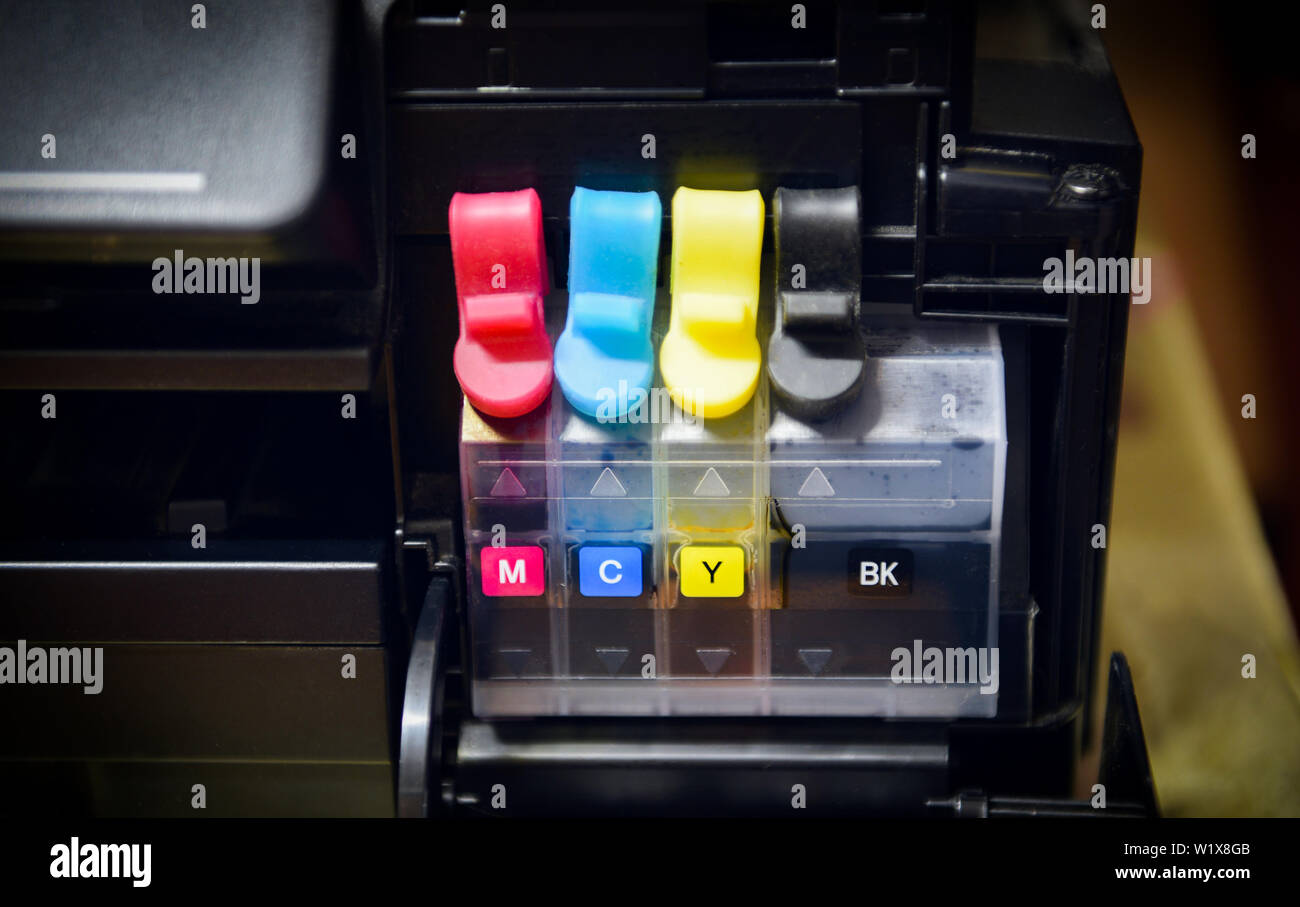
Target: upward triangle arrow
{"points": [[508, 485], [608, 486], [816, 485], [712, 486]]}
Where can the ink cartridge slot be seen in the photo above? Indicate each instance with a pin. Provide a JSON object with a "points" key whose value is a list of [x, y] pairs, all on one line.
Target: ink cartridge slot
{"points": [[646, 560]]}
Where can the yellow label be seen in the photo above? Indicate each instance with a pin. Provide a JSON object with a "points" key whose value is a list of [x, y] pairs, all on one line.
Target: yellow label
{"points": [[712, 571]]}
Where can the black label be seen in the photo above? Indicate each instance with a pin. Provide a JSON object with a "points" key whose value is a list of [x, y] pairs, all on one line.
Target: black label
{"points": [[880, 572]]}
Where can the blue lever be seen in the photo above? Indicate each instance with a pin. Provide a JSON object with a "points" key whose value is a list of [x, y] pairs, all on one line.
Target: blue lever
{"points": [[604, 359]]}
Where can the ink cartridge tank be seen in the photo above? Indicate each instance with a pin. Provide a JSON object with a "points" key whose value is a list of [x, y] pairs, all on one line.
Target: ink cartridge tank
{"points": [[740, 495], [886, 523]]}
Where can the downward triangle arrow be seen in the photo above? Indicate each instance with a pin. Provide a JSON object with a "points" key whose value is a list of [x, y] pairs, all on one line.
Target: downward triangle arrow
{"points": [[612, 659], [516, 659], [815, 659], [713, 659]]}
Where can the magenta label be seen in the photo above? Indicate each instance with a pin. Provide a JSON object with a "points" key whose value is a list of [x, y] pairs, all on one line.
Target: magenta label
{"points": [[520, 570]]}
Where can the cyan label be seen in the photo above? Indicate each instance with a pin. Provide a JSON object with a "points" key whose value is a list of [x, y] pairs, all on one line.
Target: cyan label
{"points": [[608, 571]]}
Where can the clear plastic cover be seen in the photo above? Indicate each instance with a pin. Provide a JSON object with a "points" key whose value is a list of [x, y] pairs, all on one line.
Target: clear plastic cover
{"points": [[756, 564]]}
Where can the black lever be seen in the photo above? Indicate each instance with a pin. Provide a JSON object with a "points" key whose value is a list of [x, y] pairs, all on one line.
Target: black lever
{"points": [[816, 359]]}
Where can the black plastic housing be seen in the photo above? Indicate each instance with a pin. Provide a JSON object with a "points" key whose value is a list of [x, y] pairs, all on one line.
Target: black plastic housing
{"points": [[974, 166], [983, 139]]}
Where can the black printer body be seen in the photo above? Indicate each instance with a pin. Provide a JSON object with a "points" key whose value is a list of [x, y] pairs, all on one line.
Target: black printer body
{"points": [[246, 498]]}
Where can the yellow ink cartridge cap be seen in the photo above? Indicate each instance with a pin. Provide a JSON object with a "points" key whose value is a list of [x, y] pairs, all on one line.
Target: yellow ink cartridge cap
{"points": [[710, 357]]}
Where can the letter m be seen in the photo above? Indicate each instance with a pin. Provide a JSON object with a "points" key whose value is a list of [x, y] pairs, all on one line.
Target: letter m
{"points": [[511, 572], [1112, 275], [114, 863], [223, 273]]}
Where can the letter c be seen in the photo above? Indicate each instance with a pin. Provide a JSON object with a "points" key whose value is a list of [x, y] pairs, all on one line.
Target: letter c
{"points": [[611, 580]]}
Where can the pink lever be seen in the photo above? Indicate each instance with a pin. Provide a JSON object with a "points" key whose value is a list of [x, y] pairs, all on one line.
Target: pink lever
{"points": [[503, 355]]}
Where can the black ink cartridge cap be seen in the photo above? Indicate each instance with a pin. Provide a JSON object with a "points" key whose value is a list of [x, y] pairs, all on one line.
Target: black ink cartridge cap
{"points": [[816, 359]]}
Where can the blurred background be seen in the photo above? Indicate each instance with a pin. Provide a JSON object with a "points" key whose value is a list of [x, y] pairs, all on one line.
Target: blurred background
{"points": [[1198, 76], [1204, 547]]}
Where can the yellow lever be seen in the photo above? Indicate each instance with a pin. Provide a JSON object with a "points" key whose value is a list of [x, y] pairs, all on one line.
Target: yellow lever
{"points": [[710, 357]]}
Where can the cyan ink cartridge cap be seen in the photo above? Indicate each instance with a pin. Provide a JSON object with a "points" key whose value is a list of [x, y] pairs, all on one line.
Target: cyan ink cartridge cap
{"points": [[710, 357], [816, 359], [604, 356], [503, 355]]}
